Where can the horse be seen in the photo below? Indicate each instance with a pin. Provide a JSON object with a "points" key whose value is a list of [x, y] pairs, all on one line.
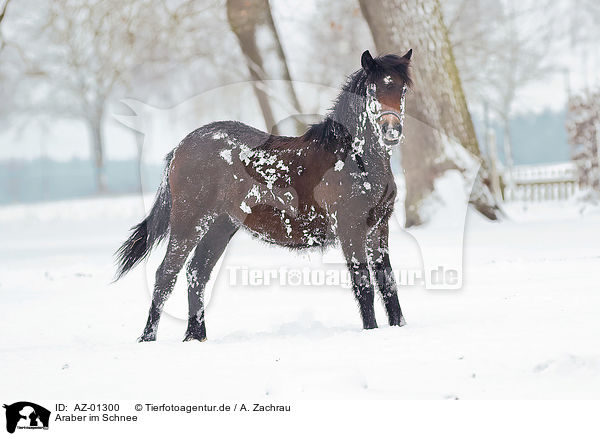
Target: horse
{"points": [[333, 184]]}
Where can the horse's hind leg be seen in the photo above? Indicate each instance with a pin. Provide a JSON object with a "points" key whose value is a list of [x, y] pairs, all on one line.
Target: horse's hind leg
{"points": [[206, 256], [177, 251]]}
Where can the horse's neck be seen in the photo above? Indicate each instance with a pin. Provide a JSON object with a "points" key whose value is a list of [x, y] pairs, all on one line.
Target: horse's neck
{"points": [[370, 164], [368, 141], [366, 146]]}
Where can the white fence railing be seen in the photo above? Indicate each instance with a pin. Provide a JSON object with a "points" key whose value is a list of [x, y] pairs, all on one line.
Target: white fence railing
{"points": [[545, 182]]}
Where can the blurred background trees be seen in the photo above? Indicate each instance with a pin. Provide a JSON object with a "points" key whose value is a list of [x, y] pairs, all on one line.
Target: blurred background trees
{"points": [[81, 53], [478, 65], [501, 47], [252, 23]]}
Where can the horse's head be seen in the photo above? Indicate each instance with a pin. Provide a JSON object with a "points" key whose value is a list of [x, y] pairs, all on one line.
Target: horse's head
{"points": [[387, 81]]}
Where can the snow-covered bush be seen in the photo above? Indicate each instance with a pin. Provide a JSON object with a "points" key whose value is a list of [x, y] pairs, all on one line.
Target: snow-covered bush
{"points": [[583, 128]]}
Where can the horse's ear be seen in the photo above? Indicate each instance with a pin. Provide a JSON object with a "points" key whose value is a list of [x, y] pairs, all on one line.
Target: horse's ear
{"points": [[408, 54], [367, 62]]}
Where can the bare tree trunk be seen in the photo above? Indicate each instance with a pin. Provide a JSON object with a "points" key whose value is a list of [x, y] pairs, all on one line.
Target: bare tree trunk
{"points": [[139, 148], [2, 15], [437, 109], [508, 154], [97, 142], [247, 19], [139, 151]]}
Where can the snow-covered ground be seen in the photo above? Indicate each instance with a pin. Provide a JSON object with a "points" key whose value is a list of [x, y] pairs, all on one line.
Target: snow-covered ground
{"points": [[525, 325]]}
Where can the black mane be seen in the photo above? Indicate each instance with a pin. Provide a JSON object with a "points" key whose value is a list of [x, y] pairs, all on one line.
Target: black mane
{"points": [[342, 119]]}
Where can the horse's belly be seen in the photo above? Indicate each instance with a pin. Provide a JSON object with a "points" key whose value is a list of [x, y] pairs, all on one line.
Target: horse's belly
{"points": [[305, 230]]}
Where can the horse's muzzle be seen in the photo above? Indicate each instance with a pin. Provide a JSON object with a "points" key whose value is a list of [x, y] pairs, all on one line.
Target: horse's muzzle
{"points": [[391, 127]]}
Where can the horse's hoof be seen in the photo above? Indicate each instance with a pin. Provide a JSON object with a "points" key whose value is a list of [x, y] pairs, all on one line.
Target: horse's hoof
{"points": [[145, 338], [195, 334], [397, 321], [190, 338]]}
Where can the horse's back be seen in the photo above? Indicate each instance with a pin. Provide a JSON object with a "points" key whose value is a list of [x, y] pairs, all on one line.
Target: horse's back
{"points": [[219, 133]]}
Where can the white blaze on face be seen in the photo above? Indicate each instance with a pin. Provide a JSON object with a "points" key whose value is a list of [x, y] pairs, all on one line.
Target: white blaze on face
{"points": [[373, 113], [387, 80]]}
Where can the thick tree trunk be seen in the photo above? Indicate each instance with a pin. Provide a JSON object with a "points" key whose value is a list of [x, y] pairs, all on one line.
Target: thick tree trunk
{"points": [[438, 116], [97, 142], [252, 23]]}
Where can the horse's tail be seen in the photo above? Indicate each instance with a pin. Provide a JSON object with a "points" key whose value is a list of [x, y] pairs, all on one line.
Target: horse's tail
{"points": [[153, 229]]}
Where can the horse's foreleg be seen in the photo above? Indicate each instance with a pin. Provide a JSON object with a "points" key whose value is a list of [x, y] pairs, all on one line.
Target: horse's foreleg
{"points": [[354, 249], [166, 275], [206, 256], [384, 277]]}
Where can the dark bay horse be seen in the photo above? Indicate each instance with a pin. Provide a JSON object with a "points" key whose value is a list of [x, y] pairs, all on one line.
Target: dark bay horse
{"points": [[333, 183]]}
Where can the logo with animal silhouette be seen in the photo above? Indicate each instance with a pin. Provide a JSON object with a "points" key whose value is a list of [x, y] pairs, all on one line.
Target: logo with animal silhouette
{"points": [[26, 415]]}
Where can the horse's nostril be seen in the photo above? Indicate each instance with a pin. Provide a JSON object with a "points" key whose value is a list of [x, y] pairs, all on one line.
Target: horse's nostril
{"points": [[392, 133]]}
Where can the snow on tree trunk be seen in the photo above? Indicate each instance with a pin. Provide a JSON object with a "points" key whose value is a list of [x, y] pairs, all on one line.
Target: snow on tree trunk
{"points": [[439, 120], [252, 23]]}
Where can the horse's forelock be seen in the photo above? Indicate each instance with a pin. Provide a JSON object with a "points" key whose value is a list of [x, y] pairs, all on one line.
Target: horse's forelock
{"points": [[393, 64]]}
